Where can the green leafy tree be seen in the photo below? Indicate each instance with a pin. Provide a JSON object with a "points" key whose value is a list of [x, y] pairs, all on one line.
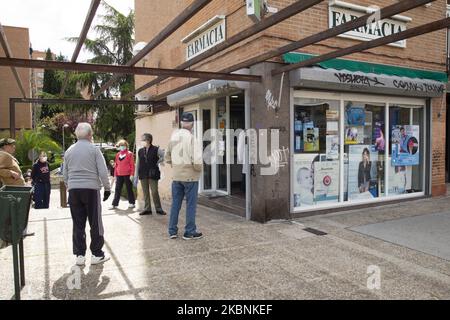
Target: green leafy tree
{"points": [[114, 45], [51, 86], [36, 140]]}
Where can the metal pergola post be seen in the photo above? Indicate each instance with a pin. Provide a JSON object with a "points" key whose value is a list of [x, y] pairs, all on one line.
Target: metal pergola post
{"points": [[14, 101], [84, 31]]}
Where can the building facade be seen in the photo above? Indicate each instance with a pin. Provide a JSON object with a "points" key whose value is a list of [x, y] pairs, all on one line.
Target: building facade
{"points": [[364, 129], [19, 42]]}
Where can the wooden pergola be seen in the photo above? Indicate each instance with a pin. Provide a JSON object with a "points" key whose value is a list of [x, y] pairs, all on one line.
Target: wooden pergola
{"points": [[201, 76]]}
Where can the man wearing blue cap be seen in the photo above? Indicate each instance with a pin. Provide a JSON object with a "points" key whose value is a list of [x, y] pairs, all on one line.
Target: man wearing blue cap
{"points": [[185, 156]]}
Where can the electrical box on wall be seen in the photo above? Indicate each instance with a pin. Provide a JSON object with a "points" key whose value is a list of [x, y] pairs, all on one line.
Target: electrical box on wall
{"points": [[254, 9]]}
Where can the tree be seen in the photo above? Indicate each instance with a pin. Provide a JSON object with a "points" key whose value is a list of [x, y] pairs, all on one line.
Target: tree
{"points": [[51, 86], [114, 45], [36, 140]]}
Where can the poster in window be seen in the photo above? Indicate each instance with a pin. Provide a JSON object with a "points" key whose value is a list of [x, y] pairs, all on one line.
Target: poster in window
{"points": [[362, 172], [326, 181], [303, 185], [332, 147], [311, 139], [332, 127], [405, 145], [356, 116], [354, 135], [399, 179], [332, 115], [378, 136]]}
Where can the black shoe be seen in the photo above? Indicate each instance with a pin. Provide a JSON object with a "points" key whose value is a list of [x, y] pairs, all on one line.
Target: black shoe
{"points": [[194, 236], [161, 212], [145, 213]]}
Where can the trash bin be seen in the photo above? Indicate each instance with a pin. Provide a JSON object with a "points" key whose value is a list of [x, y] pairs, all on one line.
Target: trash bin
{"points": [[23, 198], [15, 203]]}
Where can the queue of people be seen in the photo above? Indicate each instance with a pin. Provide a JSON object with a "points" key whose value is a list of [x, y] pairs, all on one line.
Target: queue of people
{"points": [[86, 172]]}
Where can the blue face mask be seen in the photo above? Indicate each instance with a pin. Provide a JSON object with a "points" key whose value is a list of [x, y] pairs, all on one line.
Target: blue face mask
{"points": [[122, 148]]}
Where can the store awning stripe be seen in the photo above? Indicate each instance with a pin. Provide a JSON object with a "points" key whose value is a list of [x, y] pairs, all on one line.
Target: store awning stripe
{"points": [[354, 66]]}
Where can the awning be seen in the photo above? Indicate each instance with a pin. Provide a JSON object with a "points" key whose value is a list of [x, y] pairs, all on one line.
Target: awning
{"points": [[208, 90], [354, 66], [347, 75]]}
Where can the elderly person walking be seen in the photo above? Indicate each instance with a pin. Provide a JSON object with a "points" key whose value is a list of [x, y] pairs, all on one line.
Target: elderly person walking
{"points": [[84, 173], [147, 171], [185, 157]]}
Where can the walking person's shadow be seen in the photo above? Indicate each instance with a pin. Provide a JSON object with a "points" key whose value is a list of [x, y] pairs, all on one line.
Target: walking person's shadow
{"points": [[76, 285]]}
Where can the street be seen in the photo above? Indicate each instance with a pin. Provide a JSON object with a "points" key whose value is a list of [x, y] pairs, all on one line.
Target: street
{"points": [[238, 259]]}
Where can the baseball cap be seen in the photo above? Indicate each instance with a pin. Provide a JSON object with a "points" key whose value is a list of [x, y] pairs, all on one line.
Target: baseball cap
{"points": [[6, 142], [187, 117]]}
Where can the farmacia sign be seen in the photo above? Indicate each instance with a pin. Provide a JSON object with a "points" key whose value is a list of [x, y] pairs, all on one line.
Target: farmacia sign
{"points": [[341, 12], [207, 36]]}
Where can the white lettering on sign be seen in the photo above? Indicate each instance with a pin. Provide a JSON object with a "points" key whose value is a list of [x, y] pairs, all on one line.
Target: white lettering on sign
{"points": [[206, 40], [374, 29]]}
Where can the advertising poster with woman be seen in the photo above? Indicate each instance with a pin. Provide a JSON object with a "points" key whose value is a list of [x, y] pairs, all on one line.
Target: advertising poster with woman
{"points": [[362, 172], [405, 145]]}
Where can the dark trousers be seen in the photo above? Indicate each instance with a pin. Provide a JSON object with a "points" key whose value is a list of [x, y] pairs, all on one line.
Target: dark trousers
{"points": [[85, 204], [42, 195], [120, 180]]}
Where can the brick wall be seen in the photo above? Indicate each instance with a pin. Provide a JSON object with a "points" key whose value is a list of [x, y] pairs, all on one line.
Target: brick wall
{"points": [[19, 42], [423, 52]]}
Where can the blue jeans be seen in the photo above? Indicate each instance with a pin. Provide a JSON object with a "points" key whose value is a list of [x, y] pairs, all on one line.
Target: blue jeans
{"points": [[179, 190]]}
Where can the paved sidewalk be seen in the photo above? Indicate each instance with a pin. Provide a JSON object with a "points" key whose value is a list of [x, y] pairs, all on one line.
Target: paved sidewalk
{"points": [[237, 259]]}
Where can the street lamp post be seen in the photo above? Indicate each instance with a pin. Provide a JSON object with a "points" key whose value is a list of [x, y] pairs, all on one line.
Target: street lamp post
{"points": [[64, 145]]}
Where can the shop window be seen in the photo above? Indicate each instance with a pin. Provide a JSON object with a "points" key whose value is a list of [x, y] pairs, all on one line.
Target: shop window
{"points": [[353, 151], [316, 152], [364, 147], [406, 152]]}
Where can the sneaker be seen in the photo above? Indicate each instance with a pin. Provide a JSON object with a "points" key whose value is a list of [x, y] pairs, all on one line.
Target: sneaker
{"points": [[97, 260], [173, 236], [80, 261], [194, 236], [131, 206], [145, 213], [112, 207]]}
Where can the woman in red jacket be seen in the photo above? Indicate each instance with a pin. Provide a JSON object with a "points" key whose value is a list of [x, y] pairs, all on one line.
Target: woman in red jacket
{"points": [[123, 170]]}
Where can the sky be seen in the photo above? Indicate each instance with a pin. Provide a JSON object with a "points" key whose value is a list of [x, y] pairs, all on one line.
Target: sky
{"points": [[51, 21]]}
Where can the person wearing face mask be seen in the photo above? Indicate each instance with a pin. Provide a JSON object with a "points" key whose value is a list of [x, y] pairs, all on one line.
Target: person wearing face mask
{"points": [[123, 171], [40, 175], [147, 171]]}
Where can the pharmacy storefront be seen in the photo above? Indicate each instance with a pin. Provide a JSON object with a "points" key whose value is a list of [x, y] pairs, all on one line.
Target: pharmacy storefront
{"points": [[359, 137]]}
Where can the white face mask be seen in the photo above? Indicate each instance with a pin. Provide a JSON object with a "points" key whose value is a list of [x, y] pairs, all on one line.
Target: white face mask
{"points": [[144, 144], [44, 159], [122, 148]]}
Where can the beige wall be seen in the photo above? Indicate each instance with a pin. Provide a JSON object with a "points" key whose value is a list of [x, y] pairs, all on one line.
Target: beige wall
{"points": [[19, 42], [161, 129]]}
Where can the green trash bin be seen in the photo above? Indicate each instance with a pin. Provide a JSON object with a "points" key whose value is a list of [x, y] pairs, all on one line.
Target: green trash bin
{"points": [[15, 203], [22, 195]]}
